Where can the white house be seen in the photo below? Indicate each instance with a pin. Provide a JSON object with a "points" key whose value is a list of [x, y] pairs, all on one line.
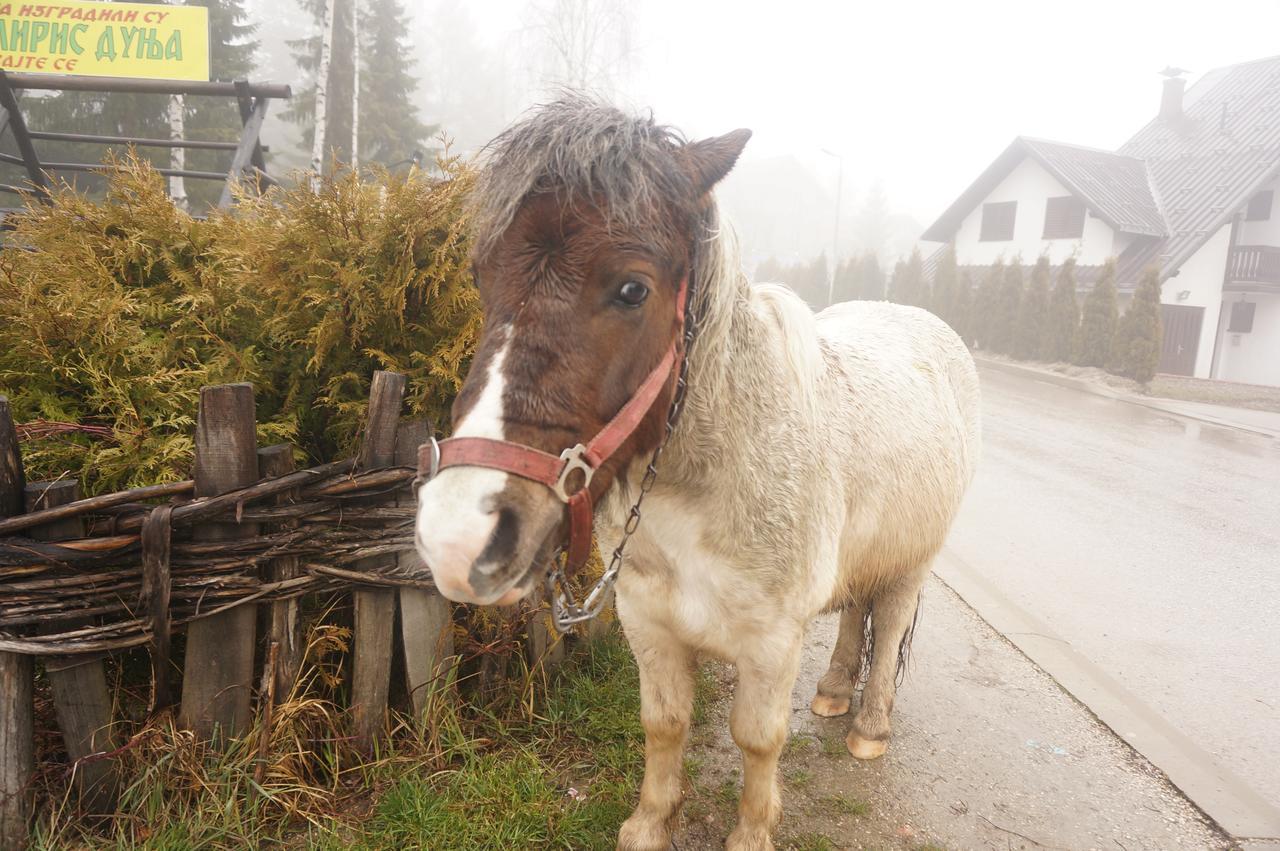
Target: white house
{"points": [[1193, 192]]}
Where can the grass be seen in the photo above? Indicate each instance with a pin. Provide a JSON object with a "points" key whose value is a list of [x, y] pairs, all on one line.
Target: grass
{"points": [[841, 805], [810, 841], [1252, 396], [560, 775]]}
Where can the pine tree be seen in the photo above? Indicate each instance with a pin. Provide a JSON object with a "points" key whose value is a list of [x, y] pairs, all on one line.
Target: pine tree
{"points": [[908, 286], [390, 129], [1033, 314], [1004, 325], [945, 286], [962, 308], [870, 278], [1136, 352], [1098, 324], [770, 270], [986, 301], [1063, 324]]}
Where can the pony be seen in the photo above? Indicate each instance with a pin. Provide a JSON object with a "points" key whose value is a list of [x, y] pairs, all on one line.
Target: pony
{"points": [[815, 465]]}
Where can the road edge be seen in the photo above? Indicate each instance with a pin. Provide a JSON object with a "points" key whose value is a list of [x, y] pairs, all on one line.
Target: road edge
{"points": [[1226, 801]]}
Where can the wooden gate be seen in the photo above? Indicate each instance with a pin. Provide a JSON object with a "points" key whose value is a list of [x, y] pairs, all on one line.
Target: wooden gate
{"points": [[1181, 338]]}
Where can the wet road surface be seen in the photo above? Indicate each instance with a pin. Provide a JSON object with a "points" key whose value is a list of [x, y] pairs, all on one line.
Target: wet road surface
{"points": [[1136, 557]]}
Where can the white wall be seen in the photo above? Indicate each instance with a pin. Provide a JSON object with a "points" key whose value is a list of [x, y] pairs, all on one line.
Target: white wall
{"points": [[1252, 358], [1201, 278], [1031, 186], [1263, 233]]}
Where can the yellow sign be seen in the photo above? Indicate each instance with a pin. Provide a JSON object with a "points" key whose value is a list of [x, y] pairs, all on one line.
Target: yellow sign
{"points": [[141, 40]]}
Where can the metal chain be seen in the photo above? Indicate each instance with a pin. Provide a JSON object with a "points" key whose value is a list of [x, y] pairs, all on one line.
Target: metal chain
{"points": [[565, 610]]}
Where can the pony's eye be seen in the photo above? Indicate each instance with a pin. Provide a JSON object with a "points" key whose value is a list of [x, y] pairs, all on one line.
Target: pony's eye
{"points": [[632, 293]]}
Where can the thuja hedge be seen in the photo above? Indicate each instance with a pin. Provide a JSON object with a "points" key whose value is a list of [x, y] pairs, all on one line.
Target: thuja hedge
{"points": [[115, 312]]}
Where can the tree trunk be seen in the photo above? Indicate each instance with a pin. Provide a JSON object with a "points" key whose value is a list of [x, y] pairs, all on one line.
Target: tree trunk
{"points": [[355, 85], [322, 85], [177, 156]]}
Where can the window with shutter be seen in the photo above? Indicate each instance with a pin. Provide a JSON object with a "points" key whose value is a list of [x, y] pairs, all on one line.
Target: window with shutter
{"points": [[1259, 207], [997, 221], [1241, 317], [1064, 218]]}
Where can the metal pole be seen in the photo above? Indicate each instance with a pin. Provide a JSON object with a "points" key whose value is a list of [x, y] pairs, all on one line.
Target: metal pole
{"points": [[355, 85]]}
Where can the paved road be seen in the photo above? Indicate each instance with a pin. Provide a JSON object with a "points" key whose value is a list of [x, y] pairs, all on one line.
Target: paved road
{"points": [[1136, 557]]}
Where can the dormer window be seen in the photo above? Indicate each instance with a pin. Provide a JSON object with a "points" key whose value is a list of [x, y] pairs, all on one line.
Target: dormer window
{"points": [[1064, 218], [1259, 209], [997, 221]]}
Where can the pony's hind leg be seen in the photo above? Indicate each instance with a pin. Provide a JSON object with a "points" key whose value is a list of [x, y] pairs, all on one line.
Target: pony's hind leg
{"points": [[893, 612], [666, 707], [835, 689]]}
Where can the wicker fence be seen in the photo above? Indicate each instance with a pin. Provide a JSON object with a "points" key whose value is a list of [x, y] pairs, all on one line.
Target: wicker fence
{"points": [[249, 534]]}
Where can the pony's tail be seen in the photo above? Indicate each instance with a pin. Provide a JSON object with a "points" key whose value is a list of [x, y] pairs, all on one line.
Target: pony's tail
{"points": [[904, 646]]}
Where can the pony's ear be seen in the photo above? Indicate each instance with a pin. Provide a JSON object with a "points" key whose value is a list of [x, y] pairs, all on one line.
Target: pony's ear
{"points": [[709, 160]]}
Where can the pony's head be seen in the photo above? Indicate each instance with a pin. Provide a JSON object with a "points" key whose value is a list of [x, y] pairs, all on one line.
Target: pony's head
{"points": [[586, 225]]}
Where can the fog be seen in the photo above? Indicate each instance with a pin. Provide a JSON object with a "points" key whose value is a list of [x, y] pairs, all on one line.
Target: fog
{"points": [[915, 98]]}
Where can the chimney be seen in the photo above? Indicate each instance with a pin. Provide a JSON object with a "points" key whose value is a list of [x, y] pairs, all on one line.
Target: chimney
{"points": [[1171, 98]]}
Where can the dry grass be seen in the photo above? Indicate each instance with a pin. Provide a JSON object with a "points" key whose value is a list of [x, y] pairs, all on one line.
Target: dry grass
{"points": [[1253, 396], [547, 766]]}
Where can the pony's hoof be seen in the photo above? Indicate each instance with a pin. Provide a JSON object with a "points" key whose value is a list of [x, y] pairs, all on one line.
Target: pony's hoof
{"points": [[866, 749], [644, 835], [829, 707]]}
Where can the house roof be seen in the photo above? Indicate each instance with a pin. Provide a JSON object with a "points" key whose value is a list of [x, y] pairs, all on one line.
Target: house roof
{"points": [[1115, 187], [1200, 169]]}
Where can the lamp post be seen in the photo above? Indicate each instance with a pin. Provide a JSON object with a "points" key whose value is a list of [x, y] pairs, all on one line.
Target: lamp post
{"points": [[835, 231]]}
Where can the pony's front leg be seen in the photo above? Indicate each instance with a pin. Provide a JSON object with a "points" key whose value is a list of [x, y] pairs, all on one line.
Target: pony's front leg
{"points": [[666, 706], [758, 722]]}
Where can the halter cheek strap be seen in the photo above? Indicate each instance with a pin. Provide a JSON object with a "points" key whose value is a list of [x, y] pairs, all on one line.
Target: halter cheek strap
{"points": [[556, 472]]}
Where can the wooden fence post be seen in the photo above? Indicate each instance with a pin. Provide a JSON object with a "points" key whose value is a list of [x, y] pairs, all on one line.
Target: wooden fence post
{"points": [[375, 608], [81, 698], [218, 668], [285, 628], [426, 619], [17, 733]]}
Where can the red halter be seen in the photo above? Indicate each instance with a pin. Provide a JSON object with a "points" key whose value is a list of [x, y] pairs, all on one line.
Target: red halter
{"points": [[552, 471]]}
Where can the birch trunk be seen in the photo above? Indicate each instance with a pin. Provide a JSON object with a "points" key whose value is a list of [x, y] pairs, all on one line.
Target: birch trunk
{"points": [[177, 156], [355, 85], [322, 85]]}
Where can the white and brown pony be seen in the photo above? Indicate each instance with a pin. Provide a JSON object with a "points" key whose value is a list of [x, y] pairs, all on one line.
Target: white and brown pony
{"points": [[815, 466]]}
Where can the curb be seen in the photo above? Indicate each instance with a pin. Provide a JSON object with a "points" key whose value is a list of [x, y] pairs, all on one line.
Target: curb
{"points": [[1086, 386]]}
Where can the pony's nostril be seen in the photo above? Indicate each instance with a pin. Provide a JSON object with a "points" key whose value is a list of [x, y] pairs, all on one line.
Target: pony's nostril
{"points": [[502, 542]]}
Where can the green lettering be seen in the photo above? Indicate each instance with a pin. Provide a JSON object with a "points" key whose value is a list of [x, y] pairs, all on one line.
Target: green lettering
{"points": [[129, 35], [58, 38], [106, 46], [76, 31], [17, 37], [154, 49], [39, 32], [173, 47]]}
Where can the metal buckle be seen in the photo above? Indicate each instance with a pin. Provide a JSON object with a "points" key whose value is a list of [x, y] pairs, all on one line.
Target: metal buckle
{"points": [[421, 479], [573, 460]]}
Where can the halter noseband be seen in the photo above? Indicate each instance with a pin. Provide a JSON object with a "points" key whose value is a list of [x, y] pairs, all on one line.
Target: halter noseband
{"points": [[555, 472]]}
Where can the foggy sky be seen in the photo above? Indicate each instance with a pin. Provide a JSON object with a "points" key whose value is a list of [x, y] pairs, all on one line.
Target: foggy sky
{"points": [[918, 96]]}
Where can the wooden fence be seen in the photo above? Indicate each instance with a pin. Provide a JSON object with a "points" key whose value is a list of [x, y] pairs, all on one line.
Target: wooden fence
{"points": [[83, 578]]}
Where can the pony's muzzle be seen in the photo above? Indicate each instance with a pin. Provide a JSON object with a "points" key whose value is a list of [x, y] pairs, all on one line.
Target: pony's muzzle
{"points": [[479, 531]]}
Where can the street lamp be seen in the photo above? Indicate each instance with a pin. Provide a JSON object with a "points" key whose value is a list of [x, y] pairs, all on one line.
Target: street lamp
{"points": [[835, 231]]}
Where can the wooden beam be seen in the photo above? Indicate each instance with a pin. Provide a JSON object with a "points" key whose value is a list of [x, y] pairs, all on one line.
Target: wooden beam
{"points": [[375, 609], [426, 618], [244, 101], [284, 628], [249, 136], [35, 173], [17, 714], [81, 697], [218, 669]]}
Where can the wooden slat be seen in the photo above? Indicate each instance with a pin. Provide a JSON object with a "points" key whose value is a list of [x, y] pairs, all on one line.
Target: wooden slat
{"points": [[81, 698], [284, 629], [426, 618], [218, 669], [18, 125], [244, 155], [375, 609], [17, 734]]}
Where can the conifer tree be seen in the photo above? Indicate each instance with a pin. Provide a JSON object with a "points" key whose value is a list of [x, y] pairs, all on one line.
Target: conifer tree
{"points": [[1098, 324], [1136, 352], [1063, 323], [1033, 314], [770, 270], [982, 325], [945, 285], [962, 307], [897, 283], [908, 285], [870, 280], [390, 128], [1004, 328]]}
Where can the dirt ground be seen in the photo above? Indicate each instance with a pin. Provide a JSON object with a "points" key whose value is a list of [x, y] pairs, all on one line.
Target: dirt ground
{"points": [[988, 752]]}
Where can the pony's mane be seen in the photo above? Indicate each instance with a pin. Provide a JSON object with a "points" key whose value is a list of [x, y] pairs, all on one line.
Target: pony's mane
{"points": [[589, 152]]}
